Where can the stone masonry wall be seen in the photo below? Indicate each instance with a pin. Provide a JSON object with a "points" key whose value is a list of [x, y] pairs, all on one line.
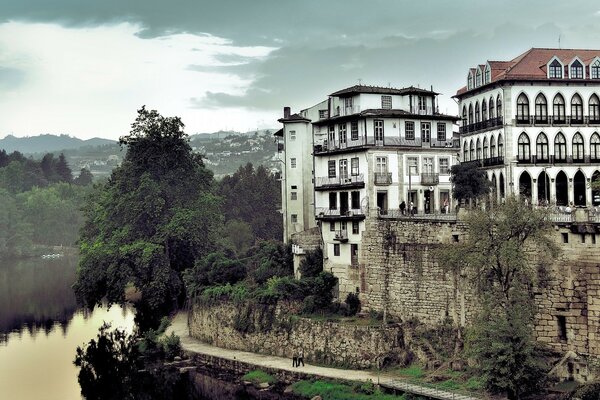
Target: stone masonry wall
{"points": [[323, 342]]}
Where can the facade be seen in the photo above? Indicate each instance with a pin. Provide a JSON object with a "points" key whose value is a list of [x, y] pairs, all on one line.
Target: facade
{"points": [[534, 124]]}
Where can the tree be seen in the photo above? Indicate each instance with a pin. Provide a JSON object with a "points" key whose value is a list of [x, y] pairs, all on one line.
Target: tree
{"points": [[154, 218], [85, 177], [505, 254], [469, 181], [63, 170]]}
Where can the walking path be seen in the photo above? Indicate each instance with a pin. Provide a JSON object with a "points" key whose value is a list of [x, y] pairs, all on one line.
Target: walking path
{"points": [[180, 327]]}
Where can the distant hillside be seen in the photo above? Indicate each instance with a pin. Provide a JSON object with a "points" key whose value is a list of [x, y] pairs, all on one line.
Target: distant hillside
{"points": [[223, 134], [48, 143]]}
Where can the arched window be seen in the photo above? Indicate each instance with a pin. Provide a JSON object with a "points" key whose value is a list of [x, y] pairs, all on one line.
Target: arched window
{"points": [[472, 150], [478, 149], [578, 147], [477, 113], [470, 82], [576, 110], [470, 114], [595, 69], [595, 147], [493, 147], [560, 147], [556, 69], [478, 78], [541, 148], [464, 116], [541, 109], [498, 107], [576, 70], [522, 108], [491, 103], [485, 148], [524, 150], [465, 152], [500, 146], [558, 109], [484, 115], [488, 75], [594, 109]]}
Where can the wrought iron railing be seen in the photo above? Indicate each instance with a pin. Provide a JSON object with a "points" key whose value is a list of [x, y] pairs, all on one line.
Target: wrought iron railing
{"points": [[383, 178], [352, 180]]}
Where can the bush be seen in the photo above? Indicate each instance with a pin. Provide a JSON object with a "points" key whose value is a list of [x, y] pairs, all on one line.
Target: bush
{"points": [[590, 391], [258, 376], [312, 264], [353, 303], [309, 305], [171, 345]]}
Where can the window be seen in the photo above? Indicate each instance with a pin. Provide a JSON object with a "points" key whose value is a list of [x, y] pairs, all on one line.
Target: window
{"points": [[332, 200], [344, 169], [381, 165], [322, 114], [562, 327], [292, 135], [348, 102], [488, 75], [378, 125], [500, 146], [541, 147], [386, 102], [294, 218], [477, 113], [332, 226], [498, 107], [412, 165], [465, 152], [492, 147], [336, 250], [426, 132], [541, 109], [470, 114], [294, 186], [595, 147], [343, 225], [565, 237], [428, 165], [292, 162], [422, 104], [331, 135], [354, 130], [409, 130], [464, 116], [522, 108], [558, 109], [578, 147], [355, 200], [355, 227], [441, 131], [444, 167], [484, 114], [478, 149], [594, 109], [556, 69], [294, 195], [342, 131], [354, 166], [560, 147], [576, 109], [485, 148], [523, 152], [491, 108], [472, 151], [331, 168], [595, 70], [576, 70], [478, 78], [470, 81]]}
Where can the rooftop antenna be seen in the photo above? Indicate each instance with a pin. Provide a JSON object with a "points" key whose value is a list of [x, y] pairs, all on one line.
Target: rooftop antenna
{"points": [[559, 40], [359, 82]]}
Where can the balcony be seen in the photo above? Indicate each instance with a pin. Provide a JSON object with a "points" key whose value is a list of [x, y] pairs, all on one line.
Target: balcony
{"points": [[482, 126], [427, 110], [327, 214], [326, 147], [397, 214], [523, 120], [430, 178], [559, 120], [540, 120], [576, 120], [341, 235], [383, 178], [346, 182], [490, 162], [524, 160]]}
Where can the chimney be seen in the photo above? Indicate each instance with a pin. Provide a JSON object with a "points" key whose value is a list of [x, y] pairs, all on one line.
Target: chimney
{"points": [[286, 112]]}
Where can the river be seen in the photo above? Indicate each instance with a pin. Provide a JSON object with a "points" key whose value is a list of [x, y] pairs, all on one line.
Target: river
{"points": [[41, 326]]}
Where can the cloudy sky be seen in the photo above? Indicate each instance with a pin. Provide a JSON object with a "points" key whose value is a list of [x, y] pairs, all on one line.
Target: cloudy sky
{"points": [[84, 67]]}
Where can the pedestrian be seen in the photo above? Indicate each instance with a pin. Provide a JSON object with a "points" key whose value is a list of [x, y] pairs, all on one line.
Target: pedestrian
{"points": [[446, 206], [294, 358], [300, 357], [402, 207], [411, 208]]}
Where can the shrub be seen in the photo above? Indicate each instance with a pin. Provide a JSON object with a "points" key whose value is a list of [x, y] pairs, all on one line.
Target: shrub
{"points": [[353, 303], [312, 264], [258, 376], [171, 345], [590, 391]]}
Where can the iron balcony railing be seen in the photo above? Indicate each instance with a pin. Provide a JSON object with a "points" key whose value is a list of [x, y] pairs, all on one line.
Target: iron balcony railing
{"points": [[483, 125], [349, 144], [341, 235], [430, 178], [322, 212], [398, 214], [340, 181], [383, 178]]}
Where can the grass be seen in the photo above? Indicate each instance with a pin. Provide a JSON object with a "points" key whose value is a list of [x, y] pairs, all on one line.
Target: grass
{"points": [[355, 320], [258, 376], [339, 391], [414, 371]]}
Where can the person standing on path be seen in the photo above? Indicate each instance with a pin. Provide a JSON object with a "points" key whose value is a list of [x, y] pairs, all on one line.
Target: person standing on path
{"points": [[300, 357], [294, 358]]}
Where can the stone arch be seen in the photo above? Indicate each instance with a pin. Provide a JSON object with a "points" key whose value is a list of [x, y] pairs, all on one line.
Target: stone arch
{"points": [[525, 186], [501, 185], [596, 192], [562, 189], [543, 188], [579, 188]]}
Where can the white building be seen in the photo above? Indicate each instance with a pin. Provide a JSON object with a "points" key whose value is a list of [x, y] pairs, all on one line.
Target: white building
{"points": [[533, 123]]}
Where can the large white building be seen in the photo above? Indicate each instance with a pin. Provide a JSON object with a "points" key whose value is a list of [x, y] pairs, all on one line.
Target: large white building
{"points": [[533, 123], [360, 154]]}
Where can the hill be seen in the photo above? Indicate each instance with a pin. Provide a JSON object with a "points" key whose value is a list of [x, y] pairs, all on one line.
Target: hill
{"points": [[48, 143]]}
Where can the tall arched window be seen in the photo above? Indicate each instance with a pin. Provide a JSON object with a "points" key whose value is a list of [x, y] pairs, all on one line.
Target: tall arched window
{"points": [[472, 150], [522, 108], [595, 70], [470, 82], [477, 113], [594, 109], [478, 78], [558, 109], [560, 147], [492, 110], [499, 107], [478, 149], [493, 147], [576, 70], [576, 109], [465, 152], [484, 115], [500, 146], [464, 116], [541, 109], [541, 148], [578, 147], [485, 148], [470, 114], [488, 75], [595, 147], [556, 69], [524, 153]]}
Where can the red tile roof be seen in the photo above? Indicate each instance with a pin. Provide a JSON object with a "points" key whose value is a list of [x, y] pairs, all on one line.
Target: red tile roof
{"points": [[531, 65]]}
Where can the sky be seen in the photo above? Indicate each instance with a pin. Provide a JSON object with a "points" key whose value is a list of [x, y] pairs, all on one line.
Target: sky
{"points": [[84, 67]]}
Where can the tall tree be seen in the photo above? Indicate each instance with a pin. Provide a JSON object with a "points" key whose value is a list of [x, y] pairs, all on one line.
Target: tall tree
{"points": [[469, 182], [63, 170], [85, 177], [153, 219]]}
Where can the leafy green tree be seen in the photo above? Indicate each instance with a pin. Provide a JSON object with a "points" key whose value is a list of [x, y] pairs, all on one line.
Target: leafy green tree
{"points": [[48, 166], [63, 170], [312, 264], [15, 233], [469, 181], [85, 177], [154, 218], [267, 259], [506, 252]]}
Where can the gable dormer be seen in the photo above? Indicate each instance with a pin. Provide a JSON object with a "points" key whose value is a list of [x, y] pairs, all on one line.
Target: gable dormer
{"points": [[478, 76], [555, 68], [594, 68], [470, 79], [487, 73], [576, 69]]}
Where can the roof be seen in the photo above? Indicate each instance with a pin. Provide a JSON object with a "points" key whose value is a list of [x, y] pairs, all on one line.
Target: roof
{"points": [[294, 118], [531, 65], [357, 89], [383, 112], [279, 133]]}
